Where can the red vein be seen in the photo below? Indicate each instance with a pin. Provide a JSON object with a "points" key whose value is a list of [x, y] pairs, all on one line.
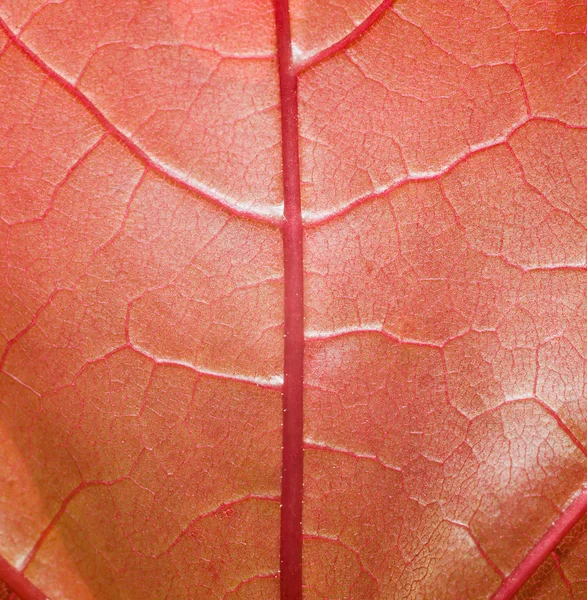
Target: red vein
{"points": [[293, 370], [323, 336], [347, 40], [18, 583], [540, 552], [249, 580], [60, 512], [56, 517], [334, 540], [216, 510], [272, 383], [479, 547], [313, 220], [65, 180], [562, 575], [549, 411], [320, 447], [318, 219], [149, 161], [27, 328]]}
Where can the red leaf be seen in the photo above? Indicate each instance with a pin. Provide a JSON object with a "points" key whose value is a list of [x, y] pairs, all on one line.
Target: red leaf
{"points": [[356, 230]]}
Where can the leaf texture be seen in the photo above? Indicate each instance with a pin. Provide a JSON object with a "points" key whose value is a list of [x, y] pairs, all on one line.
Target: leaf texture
{"points": [[178, 180]]}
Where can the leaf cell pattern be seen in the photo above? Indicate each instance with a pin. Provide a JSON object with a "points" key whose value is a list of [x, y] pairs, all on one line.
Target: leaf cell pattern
{"points": [[372, 212]]}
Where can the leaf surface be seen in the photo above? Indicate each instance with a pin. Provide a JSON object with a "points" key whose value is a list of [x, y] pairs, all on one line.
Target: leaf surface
{"points": [[430, 158]]}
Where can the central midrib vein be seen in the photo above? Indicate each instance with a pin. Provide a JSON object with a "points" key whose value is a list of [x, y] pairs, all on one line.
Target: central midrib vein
{"points": [[292, 466]]}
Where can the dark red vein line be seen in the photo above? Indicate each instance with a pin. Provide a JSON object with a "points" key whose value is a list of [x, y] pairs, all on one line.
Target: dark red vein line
{"points": [[549, 411], [138, 152], [479, 547], [52, 524], [293, 370], [249, 580], [566, 429], [347, 40], [26, 329], [316, 220], [540, 552], [18, 583], [562, 575]]}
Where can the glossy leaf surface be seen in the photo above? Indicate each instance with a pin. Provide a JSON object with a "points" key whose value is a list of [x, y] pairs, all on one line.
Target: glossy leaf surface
{"points": [[440, 153]]}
